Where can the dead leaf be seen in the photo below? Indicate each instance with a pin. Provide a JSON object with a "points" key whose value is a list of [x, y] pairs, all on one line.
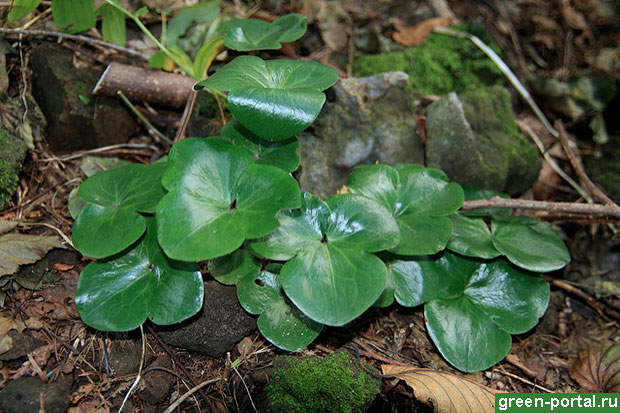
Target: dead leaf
{"points": [[40, 356], [19, 249], [448, 392], [63, 267], [418, 34], [598, 371], [8, 324]]}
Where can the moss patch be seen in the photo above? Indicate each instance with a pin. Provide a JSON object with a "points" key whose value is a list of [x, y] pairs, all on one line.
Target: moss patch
{"points": [[12, 153], [333, 384], [441, 65]]}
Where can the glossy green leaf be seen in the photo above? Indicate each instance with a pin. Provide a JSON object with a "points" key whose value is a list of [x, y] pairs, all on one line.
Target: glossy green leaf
{"points": [[110, 221], [207, 52], [254, 34], [331, 277], [530, 244], [21, 8], [120, 293], [282, 154], [275, 99], [202, 12], [112, 24], [472, 306], [74, 16], [218, 197], [419, 198], [471, 237], [230, 268], [279, 321]]}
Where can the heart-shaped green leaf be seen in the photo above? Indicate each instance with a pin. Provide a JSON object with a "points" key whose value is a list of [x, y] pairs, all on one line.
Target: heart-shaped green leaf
{"points": [[120, 293], [530, 244], [254, 34], [275, 99], [525, 241], [279, 321], [419, 198], [331, 277], [230, 268], [282, 154], [472, 306], [110, 221], [218, 197]]}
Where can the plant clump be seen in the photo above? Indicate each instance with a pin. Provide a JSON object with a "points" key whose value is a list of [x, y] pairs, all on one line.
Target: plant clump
{"points": [[336, 383]]}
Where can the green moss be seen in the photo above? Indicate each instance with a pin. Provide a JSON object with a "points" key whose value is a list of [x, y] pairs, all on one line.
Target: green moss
{"points": [[333, 384], [12, 152], [441, 65]]}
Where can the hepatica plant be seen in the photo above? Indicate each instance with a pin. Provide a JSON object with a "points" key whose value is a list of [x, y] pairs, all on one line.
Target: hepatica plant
{"points": [[299, 262]]}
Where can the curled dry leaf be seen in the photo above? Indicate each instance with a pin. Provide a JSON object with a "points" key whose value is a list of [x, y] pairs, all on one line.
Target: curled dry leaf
{"points": [[598, 371], [418, 34], [448, 392]]}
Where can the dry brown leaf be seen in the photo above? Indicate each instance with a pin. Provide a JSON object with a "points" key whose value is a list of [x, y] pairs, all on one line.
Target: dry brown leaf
{"points": [[18, 249], [40, 356], [448, 392], [418, 34], [598, 371]]}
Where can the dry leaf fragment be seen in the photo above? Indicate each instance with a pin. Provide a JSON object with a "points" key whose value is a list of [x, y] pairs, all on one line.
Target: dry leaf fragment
{"points": [[598, 371], [448, 392], [18, 249], [418, 34]]}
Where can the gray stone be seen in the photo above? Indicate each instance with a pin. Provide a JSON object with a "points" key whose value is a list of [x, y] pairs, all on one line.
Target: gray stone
{"points": [[364, 120], [473, 138], [23, 395], [220, 324], [76, 119]]}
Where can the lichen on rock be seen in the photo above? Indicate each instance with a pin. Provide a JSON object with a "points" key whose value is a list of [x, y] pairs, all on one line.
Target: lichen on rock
{"points": [[12, 153]]}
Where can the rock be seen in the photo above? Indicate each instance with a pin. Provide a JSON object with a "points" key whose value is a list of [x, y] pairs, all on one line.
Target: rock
{"points": [[23, 343], [157, 384], [76, 119], [124, 357], [364, 120], [215, 330], [474, 140], [336, 383], [441, 65], [12, 153], [23, 395]]}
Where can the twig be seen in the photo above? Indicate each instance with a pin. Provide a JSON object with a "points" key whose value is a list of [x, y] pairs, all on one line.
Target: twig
{"points": [[183, 369], [181, 399], [605, 211], [76, 37], [242, 381], [149, 126], [101, 149], [552, 163], [523, 380], [139, 376], [187, 114], [592, 302], [578, 166]]}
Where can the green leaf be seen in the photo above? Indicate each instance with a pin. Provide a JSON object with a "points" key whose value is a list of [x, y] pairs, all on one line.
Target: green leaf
{"points": [[331, 277], [218, 197], [419, 198], [279, 321], [110, 221], [282, 154], [275, 99], [207, 52], [119, 294], [254, 34], [112, 24], [472, 306], [530, 244], [471, 237], [230, 268], [186, 17], [74, 16], [21, 8]]}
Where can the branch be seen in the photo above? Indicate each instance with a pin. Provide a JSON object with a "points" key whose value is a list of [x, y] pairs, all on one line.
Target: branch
{"points": [[603, 211]]}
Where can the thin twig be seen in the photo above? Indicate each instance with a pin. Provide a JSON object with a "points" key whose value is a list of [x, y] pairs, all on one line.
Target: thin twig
{"points": [[524, 126], [75, 37], [606, 211], [181, 399], [521, 379], [187, 114], [592, 302], [139, 376], [149, 126], [101, 149]]}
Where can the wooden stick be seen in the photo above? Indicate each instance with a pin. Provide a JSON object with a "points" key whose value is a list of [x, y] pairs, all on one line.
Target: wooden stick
{"points": [[143, 85], [606, 211]]}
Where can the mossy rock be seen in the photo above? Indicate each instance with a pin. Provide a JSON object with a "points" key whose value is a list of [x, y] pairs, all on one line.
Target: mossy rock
{"points": [[474, 139], [336, 383], [12, 153], [440, 65]]}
